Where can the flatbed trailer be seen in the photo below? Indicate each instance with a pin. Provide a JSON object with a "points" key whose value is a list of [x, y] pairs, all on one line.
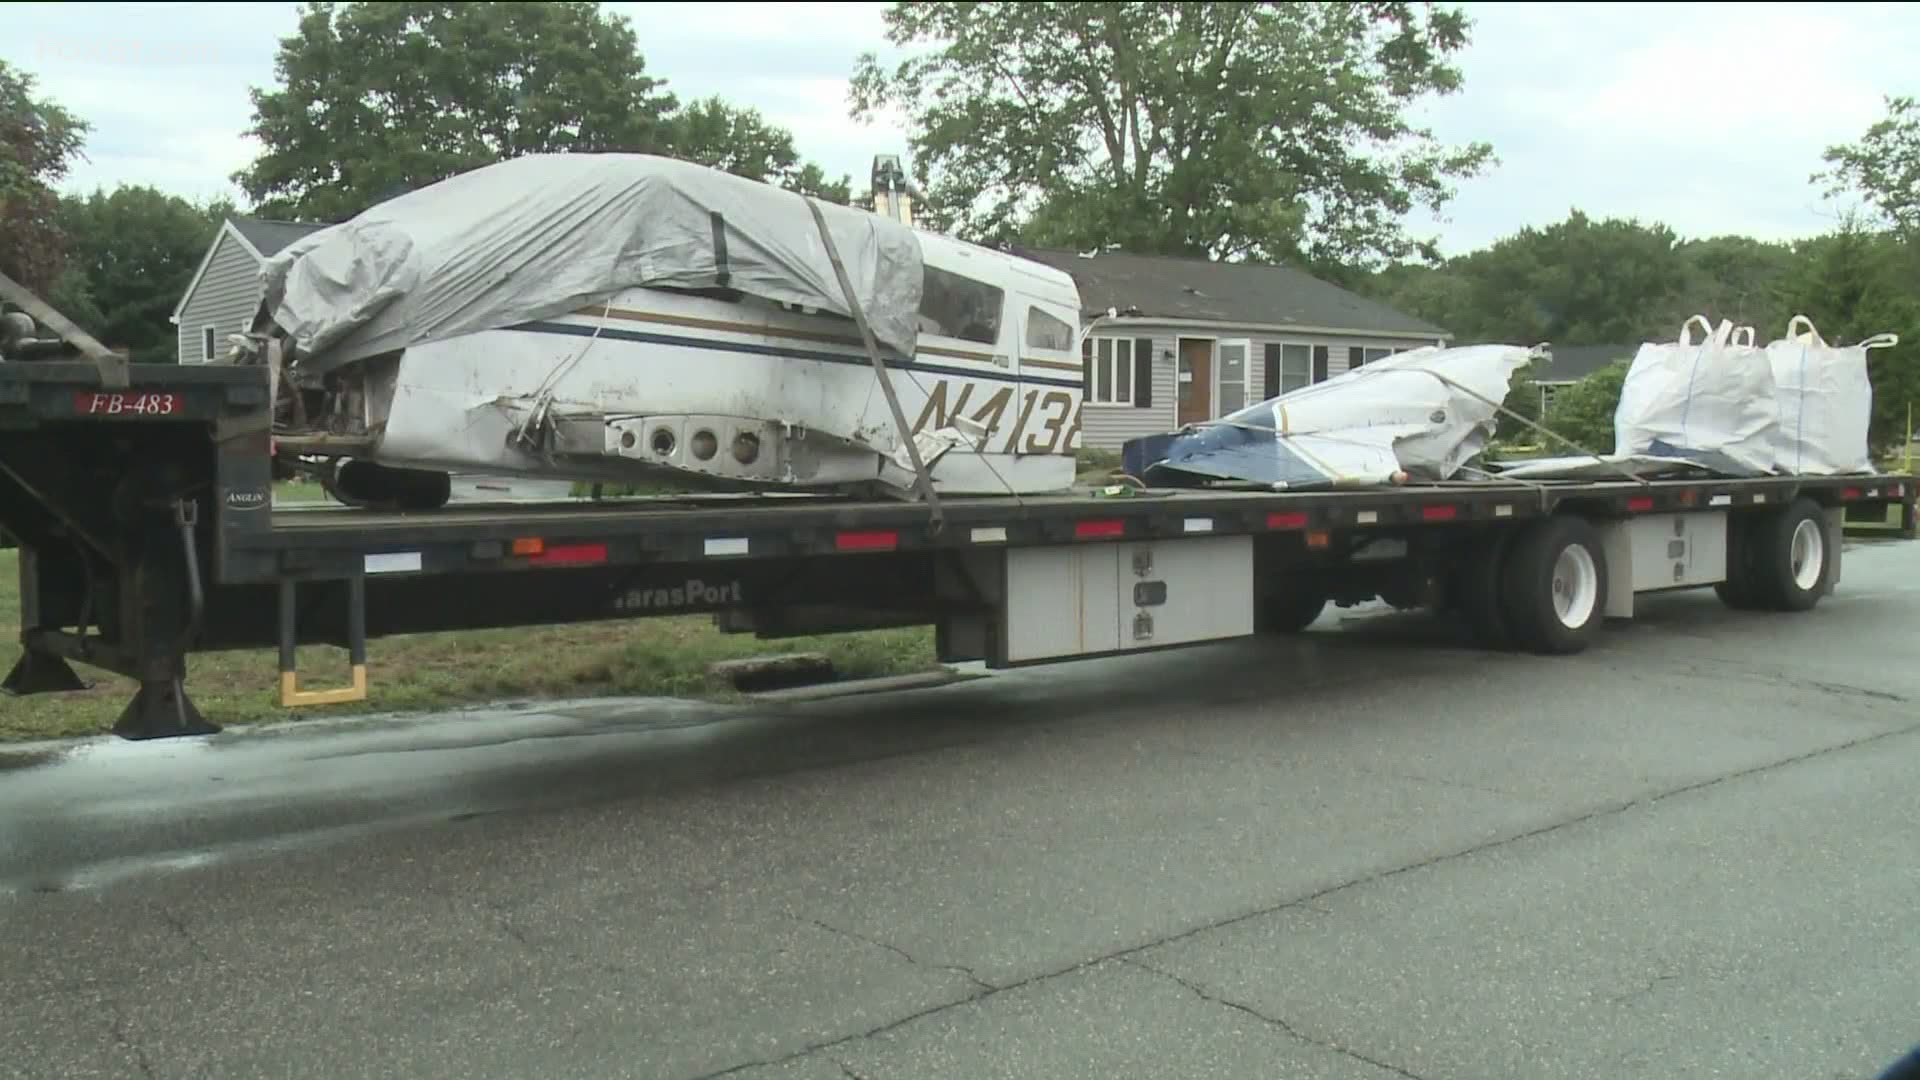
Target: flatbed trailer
{"points": [[141, 496]]}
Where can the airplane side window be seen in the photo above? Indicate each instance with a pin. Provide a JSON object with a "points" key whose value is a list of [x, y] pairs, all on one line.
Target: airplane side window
{"points": [[958, 307], [1046, 332]]}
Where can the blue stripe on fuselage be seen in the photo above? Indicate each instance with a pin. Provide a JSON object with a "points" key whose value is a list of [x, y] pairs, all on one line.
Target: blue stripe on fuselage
{"points": [[577, 330]]}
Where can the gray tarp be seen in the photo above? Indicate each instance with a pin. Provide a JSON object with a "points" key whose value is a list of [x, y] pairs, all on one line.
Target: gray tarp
{"points": [[539, 236]]}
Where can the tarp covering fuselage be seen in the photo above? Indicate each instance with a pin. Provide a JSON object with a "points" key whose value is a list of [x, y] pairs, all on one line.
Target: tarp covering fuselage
{"points": [[543, 235]]}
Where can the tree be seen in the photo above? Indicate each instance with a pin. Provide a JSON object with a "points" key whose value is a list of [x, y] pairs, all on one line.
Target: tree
{"points": [[375, 98], [1584, 411], [131, 253], [1274, 131], [38, 141], [1736, 278], [1883, 167], [378, 99], [740, 141]]}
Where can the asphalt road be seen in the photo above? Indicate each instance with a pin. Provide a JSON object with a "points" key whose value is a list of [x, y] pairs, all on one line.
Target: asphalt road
{"points": [[1691, 852]]}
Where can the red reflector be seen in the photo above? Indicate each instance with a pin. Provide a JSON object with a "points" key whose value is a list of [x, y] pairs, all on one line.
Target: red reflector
{"points": [[1640, 502], [1850, 493], [1319, 538], [1688, 497], [1440, 512], [1296, 519], [572, 553], [869, 540], [1085, 529]]}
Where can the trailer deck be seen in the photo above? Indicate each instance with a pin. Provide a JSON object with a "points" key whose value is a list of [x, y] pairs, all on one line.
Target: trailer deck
{"points": [[149, 531]]}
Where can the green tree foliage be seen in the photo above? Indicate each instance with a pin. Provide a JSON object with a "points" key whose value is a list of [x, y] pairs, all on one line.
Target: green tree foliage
{"points": [[38, 142], [1274, 131], [740, 141], [378, 98], [1883, 167], [1577, 282], [1584, 411], [373, 99], [131, 253]]}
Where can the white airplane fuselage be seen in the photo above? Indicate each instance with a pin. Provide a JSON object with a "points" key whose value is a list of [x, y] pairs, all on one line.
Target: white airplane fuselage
{"points": [[745, 392]]}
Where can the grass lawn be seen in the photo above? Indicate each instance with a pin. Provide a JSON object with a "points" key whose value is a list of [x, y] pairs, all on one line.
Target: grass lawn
{"points": [[664, 656]]}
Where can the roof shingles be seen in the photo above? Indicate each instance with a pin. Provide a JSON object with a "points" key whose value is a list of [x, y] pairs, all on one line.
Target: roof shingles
{"points": [[1176, 287], [268, 236]]}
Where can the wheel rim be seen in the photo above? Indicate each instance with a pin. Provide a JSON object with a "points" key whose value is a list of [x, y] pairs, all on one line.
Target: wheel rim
{"points": [[1576, 586], [1809, 554]]}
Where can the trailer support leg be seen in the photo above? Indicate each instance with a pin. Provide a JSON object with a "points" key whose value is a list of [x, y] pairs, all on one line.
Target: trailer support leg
{"points": [[160, 709], [41, 673], [291, 696], [162, 604]]}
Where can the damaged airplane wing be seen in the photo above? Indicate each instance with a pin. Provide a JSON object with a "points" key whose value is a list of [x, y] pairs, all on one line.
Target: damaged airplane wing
{"points": [[1415, 415]]}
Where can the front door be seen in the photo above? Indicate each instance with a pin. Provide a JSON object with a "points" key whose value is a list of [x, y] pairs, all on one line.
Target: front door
{"points": [[1195, 381]]}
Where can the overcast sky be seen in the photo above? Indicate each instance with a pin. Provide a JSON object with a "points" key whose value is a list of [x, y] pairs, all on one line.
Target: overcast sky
{"points": [[1709, 117]]}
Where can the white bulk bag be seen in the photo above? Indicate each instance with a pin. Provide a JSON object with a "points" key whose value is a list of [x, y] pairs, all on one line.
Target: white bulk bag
{"points": [[1825, 401], [1709, 401]]}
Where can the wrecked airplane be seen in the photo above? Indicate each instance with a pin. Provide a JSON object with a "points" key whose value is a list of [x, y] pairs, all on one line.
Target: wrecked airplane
{"points": [[1414, 416], [629, 318]]}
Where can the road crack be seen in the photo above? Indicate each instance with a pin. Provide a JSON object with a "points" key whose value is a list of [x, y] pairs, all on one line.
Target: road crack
{"points": [[179, 927], [1271, 1021], [957, 969], [140, 1060], [1305, 902]]}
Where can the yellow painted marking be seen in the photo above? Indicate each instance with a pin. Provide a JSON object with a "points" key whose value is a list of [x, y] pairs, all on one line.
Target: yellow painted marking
{"points": [[291, 696]]}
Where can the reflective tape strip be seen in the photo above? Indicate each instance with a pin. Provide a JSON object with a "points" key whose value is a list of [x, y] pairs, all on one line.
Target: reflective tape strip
{"points": [[1199, 525], [1720, 500], [995, 535], [394, 562], [1503, 510], [726, 545], [1367, 517]]}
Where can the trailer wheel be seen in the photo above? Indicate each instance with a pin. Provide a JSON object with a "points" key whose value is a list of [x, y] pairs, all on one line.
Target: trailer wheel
{"points": [[1791, 556], [1478, 591], [1293, 609], [1555, 581]]}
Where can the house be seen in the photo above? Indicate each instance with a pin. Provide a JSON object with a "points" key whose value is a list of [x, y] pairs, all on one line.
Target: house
{"points": [[225, 291], [1197, 339], [1568, 364]]}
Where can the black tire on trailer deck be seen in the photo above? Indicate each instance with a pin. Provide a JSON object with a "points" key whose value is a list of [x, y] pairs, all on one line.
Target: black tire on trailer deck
{"points": [[1479, 590], [1292, 609], [1741, 590], [1555, 580], [1791, 559]]}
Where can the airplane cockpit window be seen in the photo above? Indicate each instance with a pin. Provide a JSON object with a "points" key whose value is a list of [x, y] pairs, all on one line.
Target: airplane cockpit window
{"points": [[958, 307]]}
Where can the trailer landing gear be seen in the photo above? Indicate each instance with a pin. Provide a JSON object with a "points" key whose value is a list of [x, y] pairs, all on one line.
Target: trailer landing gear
{"points": [[160, 709], [41, 673]]}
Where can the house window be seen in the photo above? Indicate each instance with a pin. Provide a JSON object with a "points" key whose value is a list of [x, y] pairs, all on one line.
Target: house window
{"points": [[1046, 332], [1368, 356], [1291, 366], [1234, 370], [207, 335], [1112, 369], [957, 307]]}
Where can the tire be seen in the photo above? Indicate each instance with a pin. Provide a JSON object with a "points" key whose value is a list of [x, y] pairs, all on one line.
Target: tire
{"points": [[1555, 580], [1480, 594], [1792, 561], [1292, 610], [1741, 590]]}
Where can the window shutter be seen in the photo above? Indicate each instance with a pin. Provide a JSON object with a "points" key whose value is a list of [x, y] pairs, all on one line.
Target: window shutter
{"points": [[1143, 373], [1272, 387], [1086, 369], [1319, 363]]}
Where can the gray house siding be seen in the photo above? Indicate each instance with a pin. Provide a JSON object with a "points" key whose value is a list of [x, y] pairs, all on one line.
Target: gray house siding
{"points": [[1106, 427], [225, 299]]}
